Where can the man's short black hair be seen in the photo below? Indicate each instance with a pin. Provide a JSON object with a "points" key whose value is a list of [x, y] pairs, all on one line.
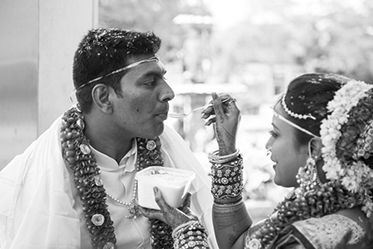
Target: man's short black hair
{"points": [[103, 51]]}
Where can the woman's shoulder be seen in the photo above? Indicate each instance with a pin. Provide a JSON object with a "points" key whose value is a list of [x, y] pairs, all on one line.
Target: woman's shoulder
{"points": [[340, 222], [348, 227], [355, 215]]}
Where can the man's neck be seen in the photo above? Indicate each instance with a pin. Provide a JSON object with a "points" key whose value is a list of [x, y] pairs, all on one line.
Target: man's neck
{"points": [[115, 151], [105, 141]]}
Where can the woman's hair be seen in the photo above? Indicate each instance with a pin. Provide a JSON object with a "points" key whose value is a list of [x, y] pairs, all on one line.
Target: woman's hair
{"points": [[103, 51], [309, 94]]}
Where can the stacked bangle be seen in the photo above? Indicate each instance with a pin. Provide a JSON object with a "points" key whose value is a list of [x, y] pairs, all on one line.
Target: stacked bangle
{"points": [[190, 235], [227, 176], [215, 158]]}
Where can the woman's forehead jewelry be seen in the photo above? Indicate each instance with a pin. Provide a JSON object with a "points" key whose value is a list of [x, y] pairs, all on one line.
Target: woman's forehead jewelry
{"points": [[277, 115], [293, 114]]}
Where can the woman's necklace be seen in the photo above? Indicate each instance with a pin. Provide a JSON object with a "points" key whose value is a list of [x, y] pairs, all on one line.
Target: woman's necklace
{"points": [[316, 201], [78, 155]]}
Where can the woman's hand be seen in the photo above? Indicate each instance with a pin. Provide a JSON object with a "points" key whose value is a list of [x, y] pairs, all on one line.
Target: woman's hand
{"points": [[174, 217], [226, 120]]}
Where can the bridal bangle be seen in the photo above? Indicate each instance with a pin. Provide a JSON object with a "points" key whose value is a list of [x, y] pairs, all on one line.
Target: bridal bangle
{"points": [[227, 177], [215, 158], [190, 235]]}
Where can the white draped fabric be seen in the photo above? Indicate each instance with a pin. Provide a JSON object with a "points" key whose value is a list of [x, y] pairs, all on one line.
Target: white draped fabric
{"points": [[39, 207]]}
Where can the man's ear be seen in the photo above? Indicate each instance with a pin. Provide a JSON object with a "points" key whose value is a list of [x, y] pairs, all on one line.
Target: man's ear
{"points": [[100, 96], [314, 147]]}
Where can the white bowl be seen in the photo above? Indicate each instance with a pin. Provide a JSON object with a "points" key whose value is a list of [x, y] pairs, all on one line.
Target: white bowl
{"points": [[173, 183]]}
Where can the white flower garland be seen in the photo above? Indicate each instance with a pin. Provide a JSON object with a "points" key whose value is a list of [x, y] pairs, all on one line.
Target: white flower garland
{"points": [[351, 176]]}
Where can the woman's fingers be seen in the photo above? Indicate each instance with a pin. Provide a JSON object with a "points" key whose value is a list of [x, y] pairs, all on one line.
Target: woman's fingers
{"points": [[157, 214], [170, 215], [220, 110], [222, 105], [152, 213], [226, 123], [209, 110], [187, 201], [210, 121], [160, 200], [185, 207]]}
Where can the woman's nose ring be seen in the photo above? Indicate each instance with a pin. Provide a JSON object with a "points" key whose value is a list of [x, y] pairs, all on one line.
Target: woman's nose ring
{"points": [[269, 151]]}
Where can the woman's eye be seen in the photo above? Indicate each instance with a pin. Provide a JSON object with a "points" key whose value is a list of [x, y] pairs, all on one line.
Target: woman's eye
{"points": [[273, 134]]}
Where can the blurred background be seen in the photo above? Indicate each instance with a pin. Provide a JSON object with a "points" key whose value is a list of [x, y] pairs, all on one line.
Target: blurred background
{"points": [[250, 49]]}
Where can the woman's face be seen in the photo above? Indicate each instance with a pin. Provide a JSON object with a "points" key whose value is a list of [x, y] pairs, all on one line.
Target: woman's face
{"points": [[287, 154]]}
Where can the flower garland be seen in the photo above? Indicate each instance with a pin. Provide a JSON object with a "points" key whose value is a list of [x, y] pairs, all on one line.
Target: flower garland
{"points": [[78, 155], [343, 164]]}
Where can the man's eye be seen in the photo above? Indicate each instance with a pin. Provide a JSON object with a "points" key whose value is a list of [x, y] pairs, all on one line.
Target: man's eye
{"points": [[149, 82]]}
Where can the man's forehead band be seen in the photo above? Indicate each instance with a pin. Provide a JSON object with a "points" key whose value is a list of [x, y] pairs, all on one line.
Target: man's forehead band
{"points": [[132, 65]]}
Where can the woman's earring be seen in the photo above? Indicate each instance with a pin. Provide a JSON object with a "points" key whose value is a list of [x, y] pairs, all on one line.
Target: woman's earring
{"points": [[307, 177]]}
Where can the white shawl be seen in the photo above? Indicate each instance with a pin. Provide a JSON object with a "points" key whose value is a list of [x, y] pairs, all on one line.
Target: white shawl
{"points": [[36, 201]]}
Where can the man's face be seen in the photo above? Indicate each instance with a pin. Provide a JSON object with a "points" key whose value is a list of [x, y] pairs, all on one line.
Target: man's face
{"points": [[142, 107]]}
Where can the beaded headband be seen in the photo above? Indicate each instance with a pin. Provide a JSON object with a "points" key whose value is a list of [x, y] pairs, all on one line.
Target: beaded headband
{"points": [[132, 65], [347, 136], [292, 114], [277, 115]]}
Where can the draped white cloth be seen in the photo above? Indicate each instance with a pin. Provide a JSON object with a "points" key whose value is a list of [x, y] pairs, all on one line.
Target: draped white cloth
{"points": [[38, 206]]}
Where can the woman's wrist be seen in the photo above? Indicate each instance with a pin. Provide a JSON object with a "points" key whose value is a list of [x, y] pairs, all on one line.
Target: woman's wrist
{"points": [[226, 151], [190, 235], [230, 222], [217, 157], [228, 201], [227, 177]]}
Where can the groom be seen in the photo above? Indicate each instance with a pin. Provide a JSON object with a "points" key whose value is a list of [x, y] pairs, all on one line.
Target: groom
{"points": [[74, 187]]}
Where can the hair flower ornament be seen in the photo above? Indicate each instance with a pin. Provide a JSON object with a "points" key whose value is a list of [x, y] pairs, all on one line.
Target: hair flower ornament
{"points": [[347, 140]]}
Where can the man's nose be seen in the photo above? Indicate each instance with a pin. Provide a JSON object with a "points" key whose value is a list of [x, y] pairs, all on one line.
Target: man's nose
{"points": [[167, 92]]}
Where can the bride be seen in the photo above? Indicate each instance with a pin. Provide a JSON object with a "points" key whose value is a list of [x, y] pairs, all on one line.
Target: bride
{"points": [[321, 145]]}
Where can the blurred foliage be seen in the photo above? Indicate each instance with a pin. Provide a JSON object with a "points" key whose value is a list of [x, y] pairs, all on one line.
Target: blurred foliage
{"points": [[155, 15], [326, 35]]}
